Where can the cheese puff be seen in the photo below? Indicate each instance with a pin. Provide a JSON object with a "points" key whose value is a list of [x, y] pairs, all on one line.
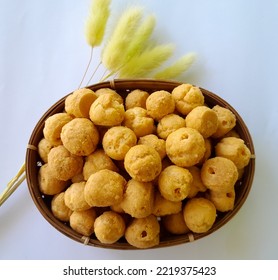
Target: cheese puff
{"points": [[187, 97], [79, 102], [53, 127], [80, 137]]}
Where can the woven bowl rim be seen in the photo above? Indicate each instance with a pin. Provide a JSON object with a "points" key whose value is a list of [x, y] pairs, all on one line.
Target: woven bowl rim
{"points": [[124, 86]]}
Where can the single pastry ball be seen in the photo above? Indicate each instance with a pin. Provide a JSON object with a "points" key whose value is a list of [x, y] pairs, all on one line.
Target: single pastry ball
{"points": [[138, 120], [48, 184], [74, 197], [187, 97], [197, 183], [203, 119], [116, 96], [80, 137], [163, 207], [169, 124], [79, 102], [59, 208], [153, 141], [138, 199], [109, 227], [226, 121], [62, 164], [143, 232], [234, 149], [223, 201], [142, 163], [136, 98], [83, 221], [175, 223], [185, 147], [96, 161], [44, 148], [159, 104], [219, 174], [117, 141], [107, 110], [104, 188], [199, 214], [53, 127], [174, 183]]}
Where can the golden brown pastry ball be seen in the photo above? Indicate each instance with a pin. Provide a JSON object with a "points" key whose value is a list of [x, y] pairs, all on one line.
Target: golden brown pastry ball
{"points": [[117, 141], [219, 174], [142, 163], [223, 201], [96, 161], [226, 121], [136, 98], [83, 221], [59, 208], [153, 141], [187, 97], [164, 206], [107, 110], [116, 96], [53, 127], [74, 197], [44, 148], [199, 214], [203, 119], [138, 120], [197, 183], [62, 164], [185, 147], [109, 227], [159, 104], [79, 102], [175, 223], [47, 183], [234, 149], [143, 232], [80, 136], [138, 199], [174, 183], [104, 188], [168, 124]]}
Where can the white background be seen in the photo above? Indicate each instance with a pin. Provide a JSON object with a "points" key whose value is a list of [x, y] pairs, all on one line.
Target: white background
{"points": [[43, 54]]}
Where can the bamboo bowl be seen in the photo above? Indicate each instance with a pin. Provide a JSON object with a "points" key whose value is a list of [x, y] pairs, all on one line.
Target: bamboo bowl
{"points": [[123, 87]]}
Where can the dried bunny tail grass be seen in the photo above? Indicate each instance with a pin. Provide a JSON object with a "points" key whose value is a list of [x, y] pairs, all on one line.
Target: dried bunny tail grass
{"points": [[142, 64], [177, 68], [114, 52], [96, 22], [140, 38]]}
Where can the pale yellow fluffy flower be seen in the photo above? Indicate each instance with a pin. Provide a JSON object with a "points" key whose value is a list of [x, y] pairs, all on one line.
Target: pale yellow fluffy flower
{"points": [[141, 65], [177, 68], [116, 48], [96, 22]]}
